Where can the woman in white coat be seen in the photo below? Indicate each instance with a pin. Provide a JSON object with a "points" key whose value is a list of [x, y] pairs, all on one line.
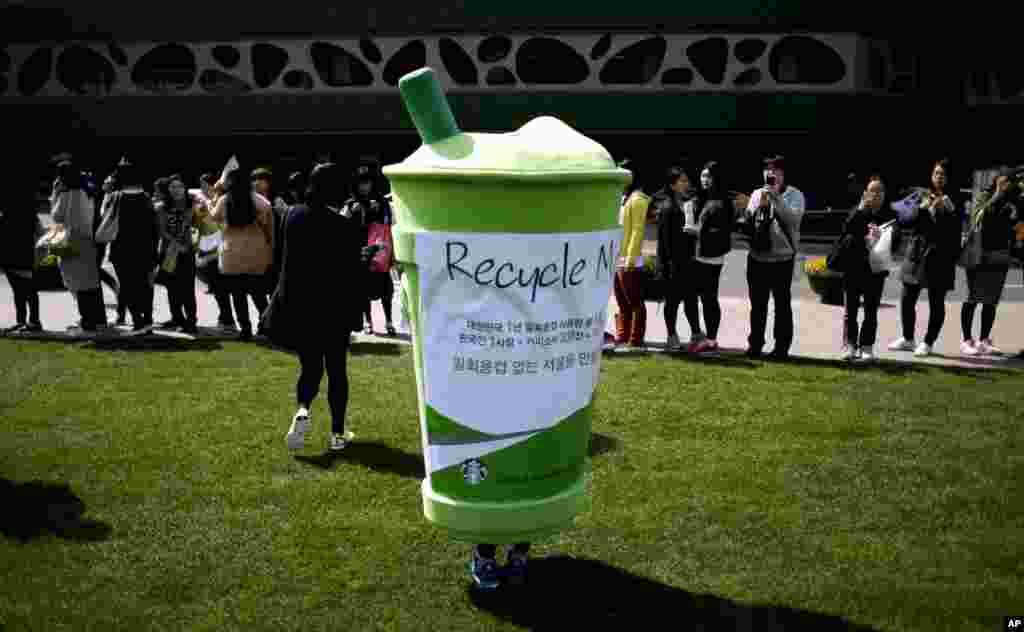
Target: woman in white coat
{"points": [[74, 208]]}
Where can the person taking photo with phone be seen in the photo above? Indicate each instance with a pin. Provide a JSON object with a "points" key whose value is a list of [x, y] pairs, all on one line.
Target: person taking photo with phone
{"points": [[773, 218]]}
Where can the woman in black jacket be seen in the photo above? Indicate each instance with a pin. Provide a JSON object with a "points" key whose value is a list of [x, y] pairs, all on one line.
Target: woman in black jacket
{"points": [[712, 213], [860, 282], [676, 250], [933, 247], [997, 218], [319, 240], [134, 252], [19, 228]]}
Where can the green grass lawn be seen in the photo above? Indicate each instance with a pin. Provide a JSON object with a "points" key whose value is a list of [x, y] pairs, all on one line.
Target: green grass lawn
{"points": [[727, 494]]}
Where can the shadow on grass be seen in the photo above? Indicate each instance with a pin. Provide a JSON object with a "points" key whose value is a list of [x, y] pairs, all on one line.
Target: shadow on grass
{"points": [[379, 457], [904, 367], [151, 343], [574, 593], [603, 444], [35, 508], [356, 348]]}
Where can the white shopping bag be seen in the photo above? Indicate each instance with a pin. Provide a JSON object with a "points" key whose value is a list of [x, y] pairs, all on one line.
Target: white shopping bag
{"points": [[880, 252]]}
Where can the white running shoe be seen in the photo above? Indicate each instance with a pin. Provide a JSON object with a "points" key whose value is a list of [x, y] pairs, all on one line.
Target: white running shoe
{"points": [[968, 348], [848, 353], [923, 350], [985, 347], [340, 441], [902, 344], [867, 354], [301, 424]]}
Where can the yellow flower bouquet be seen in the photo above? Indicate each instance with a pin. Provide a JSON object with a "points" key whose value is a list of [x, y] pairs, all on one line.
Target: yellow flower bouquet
{"points": [[828, 284]]}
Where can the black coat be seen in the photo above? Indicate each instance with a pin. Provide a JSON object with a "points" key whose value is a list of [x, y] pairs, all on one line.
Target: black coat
{"points": [[716, 219], [933, 247], [18, 238], [675, 247], [138, 230], [854, 234], [997, 226], [320, 291]]}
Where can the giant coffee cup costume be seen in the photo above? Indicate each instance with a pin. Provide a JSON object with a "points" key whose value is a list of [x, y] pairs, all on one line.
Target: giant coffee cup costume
{"points": [[507, 244]]}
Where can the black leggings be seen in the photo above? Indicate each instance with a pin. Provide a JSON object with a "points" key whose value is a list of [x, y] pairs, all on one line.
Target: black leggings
{"points": [[244, 286], [314, 358], [136, 292], [682, 288], [707, 277], [26, 298], [988, 318], [936, 311]]}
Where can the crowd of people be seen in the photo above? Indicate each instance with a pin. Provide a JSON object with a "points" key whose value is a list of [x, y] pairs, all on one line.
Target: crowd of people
{"points": [[695, 226], [248, 241]]}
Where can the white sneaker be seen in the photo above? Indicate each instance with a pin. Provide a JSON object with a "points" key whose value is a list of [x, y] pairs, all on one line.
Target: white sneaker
{"points": [[968, 348], [867, 354], [672, 342], [902, 344], [986, 347], [849, 353], [339, 441], [923, 350], [301, 424]]}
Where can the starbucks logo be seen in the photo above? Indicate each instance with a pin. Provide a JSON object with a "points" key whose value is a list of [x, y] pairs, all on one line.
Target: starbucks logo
{"points": [[474, 472]]}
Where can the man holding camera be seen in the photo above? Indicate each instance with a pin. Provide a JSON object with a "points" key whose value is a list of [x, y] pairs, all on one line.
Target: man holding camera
{"points": [[773, 217]]}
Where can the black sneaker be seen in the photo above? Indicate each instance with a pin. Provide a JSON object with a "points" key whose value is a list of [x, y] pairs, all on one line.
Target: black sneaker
{"points": [[190, 329], [245, 335], [780, 354], [35, 327], [171, 325], [753, 354]]}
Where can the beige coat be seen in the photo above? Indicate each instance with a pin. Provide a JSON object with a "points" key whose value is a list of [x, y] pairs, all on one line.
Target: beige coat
{"points": [[246, 249], [75, 210]]}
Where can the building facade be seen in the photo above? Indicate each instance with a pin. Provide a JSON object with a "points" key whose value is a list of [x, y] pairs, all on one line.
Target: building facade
{"points": [[646, 81]]}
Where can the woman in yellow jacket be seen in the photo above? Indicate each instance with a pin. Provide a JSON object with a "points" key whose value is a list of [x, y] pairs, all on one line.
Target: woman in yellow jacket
{"points": [[631, 321]]}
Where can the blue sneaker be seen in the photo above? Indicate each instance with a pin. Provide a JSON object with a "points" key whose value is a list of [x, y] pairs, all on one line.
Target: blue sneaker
{"points": [[484, 572], [515, 568]]}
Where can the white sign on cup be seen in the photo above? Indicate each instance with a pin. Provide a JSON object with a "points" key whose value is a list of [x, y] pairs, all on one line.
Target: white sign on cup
{"points": [[513, 325]]}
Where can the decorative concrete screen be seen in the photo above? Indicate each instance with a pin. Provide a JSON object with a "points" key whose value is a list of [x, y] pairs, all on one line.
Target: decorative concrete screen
{"points": [[818, 63]]}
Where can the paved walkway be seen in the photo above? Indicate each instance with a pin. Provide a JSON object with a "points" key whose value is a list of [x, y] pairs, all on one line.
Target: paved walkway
{"points": [[818, 326]]}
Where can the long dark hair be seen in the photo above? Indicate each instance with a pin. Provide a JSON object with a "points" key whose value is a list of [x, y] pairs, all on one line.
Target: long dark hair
{"points": [[325, 186], [240, 209], [717, 191], [170, 201]]}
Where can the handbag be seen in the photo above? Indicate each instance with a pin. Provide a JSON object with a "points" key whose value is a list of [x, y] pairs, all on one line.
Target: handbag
{"points": [[57, 241], [275, 323], [880, 254], [107, 231], [380, 234]]}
